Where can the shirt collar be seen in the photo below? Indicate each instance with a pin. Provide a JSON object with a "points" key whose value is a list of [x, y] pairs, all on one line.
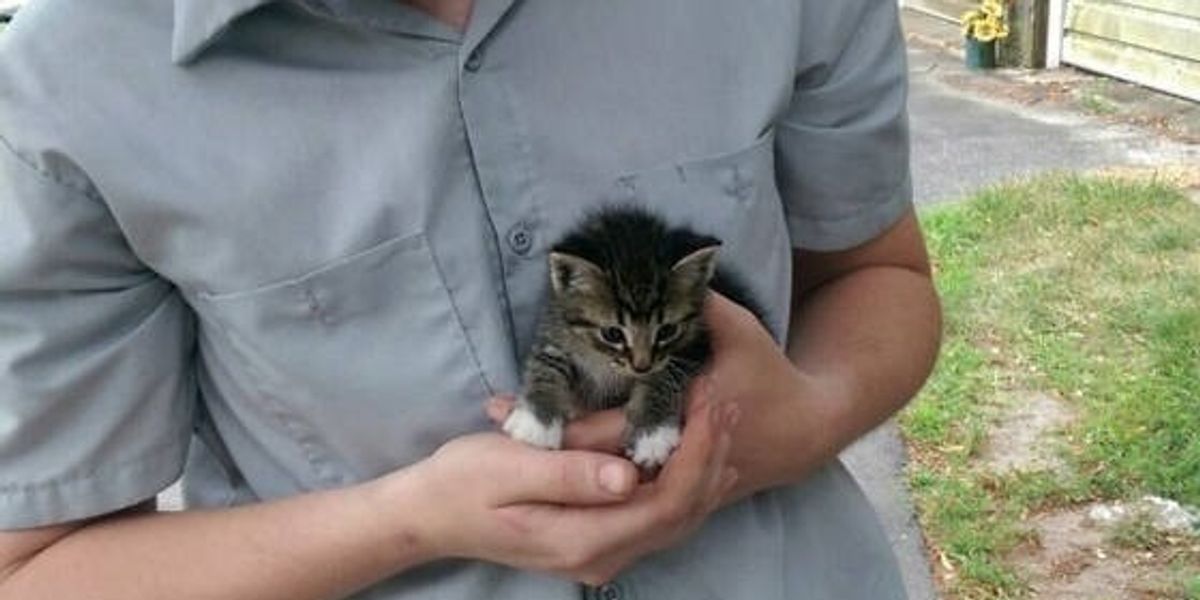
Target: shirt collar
{"points": [[199, 22]]}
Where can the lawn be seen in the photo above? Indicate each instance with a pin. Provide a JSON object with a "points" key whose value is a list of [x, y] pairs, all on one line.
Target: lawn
{"points": [[1085, 291]]}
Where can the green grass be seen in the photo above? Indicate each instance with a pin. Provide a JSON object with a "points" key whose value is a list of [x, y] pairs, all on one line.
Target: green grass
{"points": [[1097, 104], [1192, 589], [1096, 98], [1087, 289]]}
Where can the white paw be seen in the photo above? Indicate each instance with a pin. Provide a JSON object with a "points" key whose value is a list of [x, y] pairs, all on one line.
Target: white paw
{"points": [[651, 450], [523, 426]]}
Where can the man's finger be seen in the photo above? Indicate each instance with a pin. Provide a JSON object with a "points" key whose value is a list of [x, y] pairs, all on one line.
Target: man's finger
{"points": [[682, 482], [498, 407], [599, 431], [682, 486], [687, 468], [702, 389], [725, 317], [574, 477]]}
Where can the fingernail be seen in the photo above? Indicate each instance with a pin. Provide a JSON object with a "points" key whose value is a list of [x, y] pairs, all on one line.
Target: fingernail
{"points": [[614, 479]]}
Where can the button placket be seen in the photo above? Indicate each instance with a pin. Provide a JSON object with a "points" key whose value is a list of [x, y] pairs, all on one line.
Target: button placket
{"points": [[506, 173], [609, 591], [627, 186], [520, 238], [474, 60]]}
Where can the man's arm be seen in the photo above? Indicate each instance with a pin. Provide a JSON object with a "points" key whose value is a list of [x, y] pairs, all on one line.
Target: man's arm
{"points": [[577, 515], [864, 334], [316, 546], [866, 324]]}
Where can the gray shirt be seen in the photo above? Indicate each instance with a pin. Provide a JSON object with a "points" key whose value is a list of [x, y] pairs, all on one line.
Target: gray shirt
{"points": [[286, 246]]}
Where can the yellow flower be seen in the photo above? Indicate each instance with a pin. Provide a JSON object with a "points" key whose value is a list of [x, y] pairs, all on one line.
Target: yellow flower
{"points": [[969, 19], [985, 31], [986, 22]]}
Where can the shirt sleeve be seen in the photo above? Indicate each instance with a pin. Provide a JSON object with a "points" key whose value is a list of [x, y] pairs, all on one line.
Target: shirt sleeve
{"points": [[842, 147], [96, 389]]}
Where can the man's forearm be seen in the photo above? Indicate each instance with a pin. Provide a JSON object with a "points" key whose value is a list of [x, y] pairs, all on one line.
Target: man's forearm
{"points": [[866, 342], [313, 547]]}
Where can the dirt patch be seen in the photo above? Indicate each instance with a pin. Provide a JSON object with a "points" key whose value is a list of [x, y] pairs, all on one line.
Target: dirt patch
{"points": [[1186, 176], [1024, 439], [1072, 557]]}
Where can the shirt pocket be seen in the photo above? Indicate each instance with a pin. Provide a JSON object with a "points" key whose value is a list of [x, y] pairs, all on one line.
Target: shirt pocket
{"points": [[362, 365], [733, 196]]}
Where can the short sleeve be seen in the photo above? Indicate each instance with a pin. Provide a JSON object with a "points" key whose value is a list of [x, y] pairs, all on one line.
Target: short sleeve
{"points": [[95, 386], [842, 147]]}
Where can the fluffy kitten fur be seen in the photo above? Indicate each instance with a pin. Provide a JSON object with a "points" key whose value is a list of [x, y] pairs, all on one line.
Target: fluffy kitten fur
{"points": [[622, 327]]}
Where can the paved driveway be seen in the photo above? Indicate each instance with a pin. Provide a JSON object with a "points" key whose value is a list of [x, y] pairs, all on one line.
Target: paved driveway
{"points": [[963, 140]]}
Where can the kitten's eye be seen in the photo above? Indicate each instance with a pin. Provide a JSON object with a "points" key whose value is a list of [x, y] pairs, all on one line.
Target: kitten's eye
{"points": [[665, 333], [613, 335]]}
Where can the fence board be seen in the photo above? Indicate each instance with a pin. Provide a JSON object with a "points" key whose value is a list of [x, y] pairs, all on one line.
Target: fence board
{"points": [[1183, 8], [1170, 74], [1168, 34]]}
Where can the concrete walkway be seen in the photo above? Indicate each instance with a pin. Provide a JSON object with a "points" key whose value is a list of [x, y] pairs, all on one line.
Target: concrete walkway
{"points": [[970, 130]]}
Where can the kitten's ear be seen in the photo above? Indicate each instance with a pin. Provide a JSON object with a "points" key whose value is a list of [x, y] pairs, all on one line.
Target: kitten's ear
{"points": [[696, 269], [573, 274]]}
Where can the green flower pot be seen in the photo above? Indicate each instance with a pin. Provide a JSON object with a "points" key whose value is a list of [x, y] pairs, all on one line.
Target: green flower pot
{"points": [[980, 55]]}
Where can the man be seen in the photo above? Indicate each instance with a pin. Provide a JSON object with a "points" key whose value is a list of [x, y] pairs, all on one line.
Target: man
{"points": [[287, 248]]}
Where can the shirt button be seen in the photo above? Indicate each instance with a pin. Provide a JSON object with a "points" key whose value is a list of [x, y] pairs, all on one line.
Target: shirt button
{"points": [[474, 61], [520, 239], [609, 591], [628, 186]]}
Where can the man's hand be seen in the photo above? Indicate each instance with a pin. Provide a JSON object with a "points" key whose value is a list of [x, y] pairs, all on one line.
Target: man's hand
{"points": [[748, 370], [575, 513], [863, 336]]}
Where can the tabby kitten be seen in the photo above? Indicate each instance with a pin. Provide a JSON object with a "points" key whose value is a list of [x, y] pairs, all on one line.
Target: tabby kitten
{"points": [[622, 327]]}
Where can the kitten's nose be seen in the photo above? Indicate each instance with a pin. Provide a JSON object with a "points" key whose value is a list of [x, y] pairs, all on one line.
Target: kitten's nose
{"points": [[640, 364], [641, 351]]}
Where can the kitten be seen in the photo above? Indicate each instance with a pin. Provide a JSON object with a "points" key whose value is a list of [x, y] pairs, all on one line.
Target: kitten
{"points": [[622, 327]]}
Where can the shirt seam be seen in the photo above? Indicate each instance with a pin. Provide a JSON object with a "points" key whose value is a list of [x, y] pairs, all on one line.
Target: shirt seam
{"points": [[13, 489], [32, 165], [864, 210], [437, 267]]}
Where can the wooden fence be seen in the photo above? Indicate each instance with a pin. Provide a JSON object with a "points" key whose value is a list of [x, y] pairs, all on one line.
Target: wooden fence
{"points": [[1152, 42]]}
